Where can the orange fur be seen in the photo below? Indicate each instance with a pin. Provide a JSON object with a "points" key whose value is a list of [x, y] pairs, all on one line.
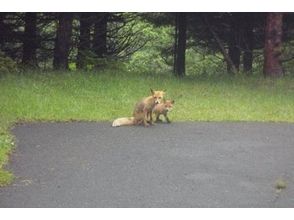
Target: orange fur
{"points": [[162, 109]]}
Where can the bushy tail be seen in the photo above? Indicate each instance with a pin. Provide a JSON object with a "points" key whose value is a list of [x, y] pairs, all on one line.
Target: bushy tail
{"points": [[123, 121]]}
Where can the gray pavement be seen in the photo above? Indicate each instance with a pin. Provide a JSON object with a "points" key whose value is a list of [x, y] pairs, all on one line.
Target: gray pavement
{"points": [[201, 164]]}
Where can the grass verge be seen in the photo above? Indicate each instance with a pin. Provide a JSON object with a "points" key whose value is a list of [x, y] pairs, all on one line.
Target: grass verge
{"points": [[108, 94], [6, 145]]}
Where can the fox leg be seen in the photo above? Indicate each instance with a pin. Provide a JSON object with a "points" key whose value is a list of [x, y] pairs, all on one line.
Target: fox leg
{"points": [[166, 118], [157, 118], [150, 119], [145, 119]]}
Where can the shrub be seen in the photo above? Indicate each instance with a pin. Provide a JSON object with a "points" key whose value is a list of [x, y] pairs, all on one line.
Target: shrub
{"points": [[7, 65]]}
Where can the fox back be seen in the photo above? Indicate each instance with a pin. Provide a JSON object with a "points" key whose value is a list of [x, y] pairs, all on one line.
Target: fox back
{"points": [[163, 107]]}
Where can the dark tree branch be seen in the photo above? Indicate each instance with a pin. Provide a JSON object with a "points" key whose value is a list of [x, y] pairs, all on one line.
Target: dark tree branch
{"points": [[221, 46]]}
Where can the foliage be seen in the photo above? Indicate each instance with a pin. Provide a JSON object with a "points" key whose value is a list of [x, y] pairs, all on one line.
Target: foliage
{"points": [[5, 178], [145, 41], [201, 63], [90, 60], [221, 23], [124, 35], [6, 144], [288, 57], [46, 29], [7, 65], [156, 55]]}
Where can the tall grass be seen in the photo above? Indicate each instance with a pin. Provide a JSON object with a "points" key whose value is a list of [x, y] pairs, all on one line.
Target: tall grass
{"points": [[77, 96], [105, 95], [108, 94]]}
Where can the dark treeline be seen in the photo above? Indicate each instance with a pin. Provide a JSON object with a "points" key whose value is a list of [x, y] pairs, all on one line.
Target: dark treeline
{"points": [[53, 40], [44, 40]]}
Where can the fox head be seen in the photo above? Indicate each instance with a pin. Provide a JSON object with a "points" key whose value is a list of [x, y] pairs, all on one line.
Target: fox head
{"points": [[157, 96], [168, 105]]}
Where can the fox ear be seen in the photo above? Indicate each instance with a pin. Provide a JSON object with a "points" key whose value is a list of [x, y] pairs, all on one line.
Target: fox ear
{"points": [[172, 101], [152, 92]]}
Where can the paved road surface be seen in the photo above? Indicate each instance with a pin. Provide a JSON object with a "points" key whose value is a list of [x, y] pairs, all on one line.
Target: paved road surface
{"points": [[178, 165]]}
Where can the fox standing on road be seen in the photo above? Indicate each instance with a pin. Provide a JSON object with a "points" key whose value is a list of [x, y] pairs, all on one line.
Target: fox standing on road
{"points": [[143, 111], [162, 109]]}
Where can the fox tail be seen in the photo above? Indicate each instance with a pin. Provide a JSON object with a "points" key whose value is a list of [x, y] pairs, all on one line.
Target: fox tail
{"points": [[123, 121]]}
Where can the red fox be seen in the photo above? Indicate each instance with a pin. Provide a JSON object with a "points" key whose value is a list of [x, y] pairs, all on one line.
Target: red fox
{"points": [[143, 111], [162, 109]]}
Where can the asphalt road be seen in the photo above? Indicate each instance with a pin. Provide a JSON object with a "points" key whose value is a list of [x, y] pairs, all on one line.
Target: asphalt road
{"points": [[203, 164]]}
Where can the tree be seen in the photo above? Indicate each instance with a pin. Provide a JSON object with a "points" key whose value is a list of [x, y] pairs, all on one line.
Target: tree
{"points": [[234, 42], [180, 43], [30, 40], [2, 28], [100, 34], [230, 34], [11, 40], [63, 41], [273, 45], [248, 37], [220, 44], [84, 45]]}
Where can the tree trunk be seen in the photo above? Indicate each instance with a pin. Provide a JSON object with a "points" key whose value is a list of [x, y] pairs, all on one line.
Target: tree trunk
{"points": [[175, 43], [30, 40], [234, 54], [248, 44], [234, 43], [273, 45], [181, 36], [221, 46], [2, 29], [100, 34], [85, 38], [63, 41]]}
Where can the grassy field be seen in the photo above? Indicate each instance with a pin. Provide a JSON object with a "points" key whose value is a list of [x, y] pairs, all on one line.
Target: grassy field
{"points": [[106, 95]]}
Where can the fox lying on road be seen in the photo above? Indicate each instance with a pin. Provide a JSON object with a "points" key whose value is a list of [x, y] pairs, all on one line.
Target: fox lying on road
{"points": [[143, 111]]}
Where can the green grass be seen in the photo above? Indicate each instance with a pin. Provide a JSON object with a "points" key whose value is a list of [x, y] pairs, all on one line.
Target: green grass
{"points": [[108, 94], [280, 184], [6, 145], [5, 177]]}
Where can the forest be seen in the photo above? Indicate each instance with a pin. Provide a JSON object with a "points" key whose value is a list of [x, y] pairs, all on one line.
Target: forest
{"points": [[173, 43]]}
